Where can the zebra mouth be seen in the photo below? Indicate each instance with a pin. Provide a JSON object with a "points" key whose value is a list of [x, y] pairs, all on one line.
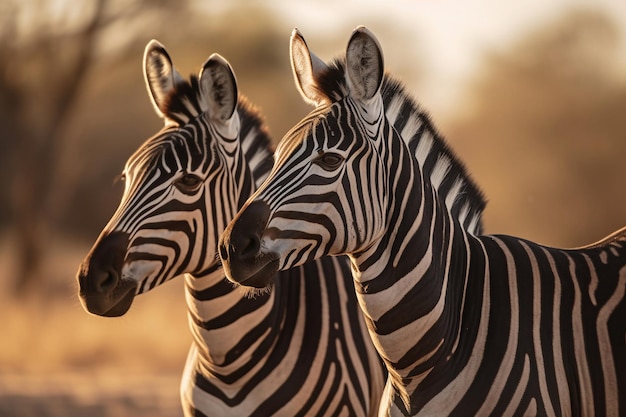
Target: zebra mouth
{"points": [[251, 270], [113, 304], [122, 305], [264, 277]]}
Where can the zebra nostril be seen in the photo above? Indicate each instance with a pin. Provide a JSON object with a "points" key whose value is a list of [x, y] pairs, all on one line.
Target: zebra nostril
{"points": [[241, 241], [105, 280], [251, 246], [101, 271], [223, 252]]}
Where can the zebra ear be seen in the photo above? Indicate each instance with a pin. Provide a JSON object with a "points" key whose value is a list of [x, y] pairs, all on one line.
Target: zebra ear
{"points": [[219, 87], [160, 75], [364, 64], [306, 68]]}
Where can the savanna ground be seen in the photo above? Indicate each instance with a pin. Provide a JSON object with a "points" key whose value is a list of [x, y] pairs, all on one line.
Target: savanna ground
{"points": [[57, 360]]}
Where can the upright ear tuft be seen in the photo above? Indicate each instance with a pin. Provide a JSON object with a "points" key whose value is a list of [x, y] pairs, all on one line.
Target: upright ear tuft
{"points": [[219, 88], [160, 75], [306, 69], [364, 64]]}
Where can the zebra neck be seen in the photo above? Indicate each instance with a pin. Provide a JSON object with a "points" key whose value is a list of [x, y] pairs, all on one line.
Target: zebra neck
{"points": [[411, 293], [229, 327]]}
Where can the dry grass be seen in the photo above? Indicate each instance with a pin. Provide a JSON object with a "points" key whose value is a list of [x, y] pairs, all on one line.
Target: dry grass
{"points": [[58, 360], [50, 332], [80, 395]]}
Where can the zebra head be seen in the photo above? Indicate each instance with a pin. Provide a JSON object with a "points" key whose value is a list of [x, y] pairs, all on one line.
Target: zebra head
{"points": [[162, 227], [327, 192]]}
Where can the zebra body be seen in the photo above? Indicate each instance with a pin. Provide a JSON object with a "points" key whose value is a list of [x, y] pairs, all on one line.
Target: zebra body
{"points": [[301, 349], [467, 324]]}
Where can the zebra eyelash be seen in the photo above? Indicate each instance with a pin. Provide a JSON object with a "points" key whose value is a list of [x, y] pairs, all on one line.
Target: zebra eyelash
{"points": [[329, 161], [119, 178], [188, 183]]}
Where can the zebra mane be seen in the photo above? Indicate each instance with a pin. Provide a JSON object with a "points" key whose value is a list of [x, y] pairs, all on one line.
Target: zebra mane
{"points": [[448, 175], [184, 104], [256, 141]]}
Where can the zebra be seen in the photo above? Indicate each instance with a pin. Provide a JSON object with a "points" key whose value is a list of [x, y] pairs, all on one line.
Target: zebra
{"points": [[468, 324], [301, 349]]}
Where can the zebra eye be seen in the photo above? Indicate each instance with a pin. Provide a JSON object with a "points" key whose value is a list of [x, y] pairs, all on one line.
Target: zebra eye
{"points": [[329, 161], [188, 183]]}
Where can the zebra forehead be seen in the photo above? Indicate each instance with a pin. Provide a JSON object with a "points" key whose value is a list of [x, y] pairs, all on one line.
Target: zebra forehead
{"points": [[299, 133], [185, 101], [326, 127], [171, 150]]}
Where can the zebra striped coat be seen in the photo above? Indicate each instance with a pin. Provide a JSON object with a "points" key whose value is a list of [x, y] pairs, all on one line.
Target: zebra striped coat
{"points": [[467, 324], [301, 349]]}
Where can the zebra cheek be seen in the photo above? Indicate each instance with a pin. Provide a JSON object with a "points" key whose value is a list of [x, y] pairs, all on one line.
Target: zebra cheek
{"points": [[142, 272]]}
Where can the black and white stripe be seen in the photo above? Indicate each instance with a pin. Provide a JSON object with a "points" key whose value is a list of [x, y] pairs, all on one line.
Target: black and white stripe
{"points": [[467, 324], [300, 349]]}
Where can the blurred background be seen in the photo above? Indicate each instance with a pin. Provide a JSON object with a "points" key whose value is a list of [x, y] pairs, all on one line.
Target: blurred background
{"points": [[531, 95]]}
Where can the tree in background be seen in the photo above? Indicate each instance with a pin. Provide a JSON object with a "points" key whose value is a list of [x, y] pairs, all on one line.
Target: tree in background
{"points": [[544, 133], [46, 51]]}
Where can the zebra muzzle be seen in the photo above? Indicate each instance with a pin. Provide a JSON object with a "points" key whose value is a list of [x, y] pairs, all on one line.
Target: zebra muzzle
{"points": [[240, 248], [101, 289]]}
